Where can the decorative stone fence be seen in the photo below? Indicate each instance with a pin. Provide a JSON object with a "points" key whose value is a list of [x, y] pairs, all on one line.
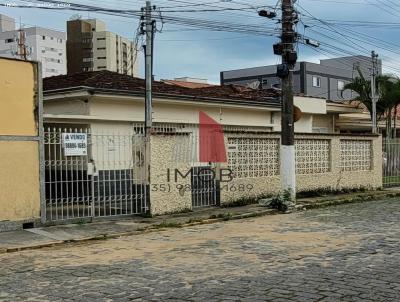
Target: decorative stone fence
{"points": [[323, 162]]}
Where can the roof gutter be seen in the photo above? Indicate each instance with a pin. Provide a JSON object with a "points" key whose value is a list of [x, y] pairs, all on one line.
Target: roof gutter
{"points": [[93, 91]]}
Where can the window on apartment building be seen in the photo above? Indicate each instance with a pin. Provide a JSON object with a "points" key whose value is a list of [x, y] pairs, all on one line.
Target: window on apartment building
{"points": [[101, 39], [43, 37], [101, 48], [340, 85], [101, 58], [51, 70], [264, 83], [51, 38], [9, 40], [101, 67], [59, 40], [87, 69], [87, 59], [316, 81]]}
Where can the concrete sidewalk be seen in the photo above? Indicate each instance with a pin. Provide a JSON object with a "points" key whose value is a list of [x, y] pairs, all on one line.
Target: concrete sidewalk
{"points": [[100, 230]]}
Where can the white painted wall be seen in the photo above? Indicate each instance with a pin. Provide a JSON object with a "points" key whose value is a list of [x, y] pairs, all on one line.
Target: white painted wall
{"points": [[131, 109]]}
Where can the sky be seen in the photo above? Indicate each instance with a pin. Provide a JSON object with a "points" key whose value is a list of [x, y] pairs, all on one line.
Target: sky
{"points": [[186, 51]]}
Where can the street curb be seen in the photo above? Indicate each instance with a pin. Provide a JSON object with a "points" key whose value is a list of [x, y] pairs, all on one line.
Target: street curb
{"points": [[150, 229], [155, 228], [360, 198]]}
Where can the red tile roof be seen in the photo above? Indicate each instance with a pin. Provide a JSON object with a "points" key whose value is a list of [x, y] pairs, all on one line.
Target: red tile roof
{"points": [[107, 80], [187, 84]]}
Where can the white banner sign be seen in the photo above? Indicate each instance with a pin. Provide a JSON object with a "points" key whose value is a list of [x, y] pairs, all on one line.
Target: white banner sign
{"points": [[74, 144]]}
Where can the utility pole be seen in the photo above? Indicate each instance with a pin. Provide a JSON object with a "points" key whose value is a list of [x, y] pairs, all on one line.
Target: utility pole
{"points": [[285, 71], [287, 51], [148, 68], [147, 28], [374, 99]]}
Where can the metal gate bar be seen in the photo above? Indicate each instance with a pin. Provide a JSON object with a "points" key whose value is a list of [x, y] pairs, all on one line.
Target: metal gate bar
{"points": [[107, 181], [204, 187], [391, 162]]}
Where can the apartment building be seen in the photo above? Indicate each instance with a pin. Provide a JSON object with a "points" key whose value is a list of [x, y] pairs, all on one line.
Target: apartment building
{"points": [[325, 80], [43, 45], [91, 48]]}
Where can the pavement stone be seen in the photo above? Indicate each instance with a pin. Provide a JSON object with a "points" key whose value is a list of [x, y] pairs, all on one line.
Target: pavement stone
{"points": [[344, 253]]}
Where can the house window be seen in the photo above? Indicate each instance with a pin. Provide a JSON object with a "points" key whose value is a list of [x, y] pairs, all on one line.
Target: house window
{"points": [[43, 37], [9, 40], [340, 85], [316, 81], [264, 84]]}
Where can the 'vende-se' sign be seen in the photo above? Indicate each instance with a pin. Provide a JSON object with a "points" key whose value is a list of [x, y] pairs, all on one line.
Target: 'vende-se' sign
{"points": [[74, 144]]}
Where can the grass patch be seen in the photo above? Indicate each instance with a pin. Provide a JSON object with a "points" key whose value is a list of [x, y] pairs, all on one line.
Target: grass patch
{"points": [[224, 216], [165, 224], [391, 180], [81, 222], [327, 192], [245, 201]]}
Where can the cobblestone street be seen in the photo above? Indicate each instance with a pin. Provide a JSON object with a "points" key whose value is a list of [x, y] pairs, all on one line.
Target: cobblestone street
{"points": [[344, 253]]}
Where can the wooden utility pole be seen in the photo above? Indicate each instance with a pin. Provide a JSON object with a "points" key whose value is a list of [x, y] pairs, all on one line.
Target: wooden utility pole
{"points": [[285, 71]]}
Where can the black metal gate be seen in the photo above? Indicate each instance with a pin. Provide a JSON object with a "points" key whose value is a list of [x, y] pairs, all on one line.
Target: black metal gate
{"points": [[204, 187]]}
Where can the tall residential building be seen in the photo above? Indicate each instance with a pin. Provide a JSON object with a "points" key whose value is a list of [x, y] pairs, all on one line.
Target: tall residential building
{"points": [[90, 48], [44, 45], [325, 80]]}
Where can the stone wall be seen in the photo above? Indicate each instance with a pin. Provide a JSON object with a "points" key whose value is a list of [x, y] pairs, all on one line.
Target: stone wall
{"points": [[166, 195], [333, 162]]}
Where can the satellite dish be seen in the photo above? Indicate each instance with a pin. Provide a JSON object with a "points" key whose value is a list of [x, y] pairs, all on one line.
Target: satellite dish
{"points": [[254, 85], [297, 114]]}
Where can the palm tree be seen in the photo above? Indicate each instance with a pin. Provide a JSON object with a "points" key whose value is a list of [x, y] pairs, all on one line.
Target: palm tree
{"points": [[389, 96]]}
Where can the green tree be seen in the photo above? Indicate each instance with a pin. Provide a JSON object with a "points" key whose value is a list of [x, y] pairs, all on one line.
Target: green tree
{"points": [[388, 90]]}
